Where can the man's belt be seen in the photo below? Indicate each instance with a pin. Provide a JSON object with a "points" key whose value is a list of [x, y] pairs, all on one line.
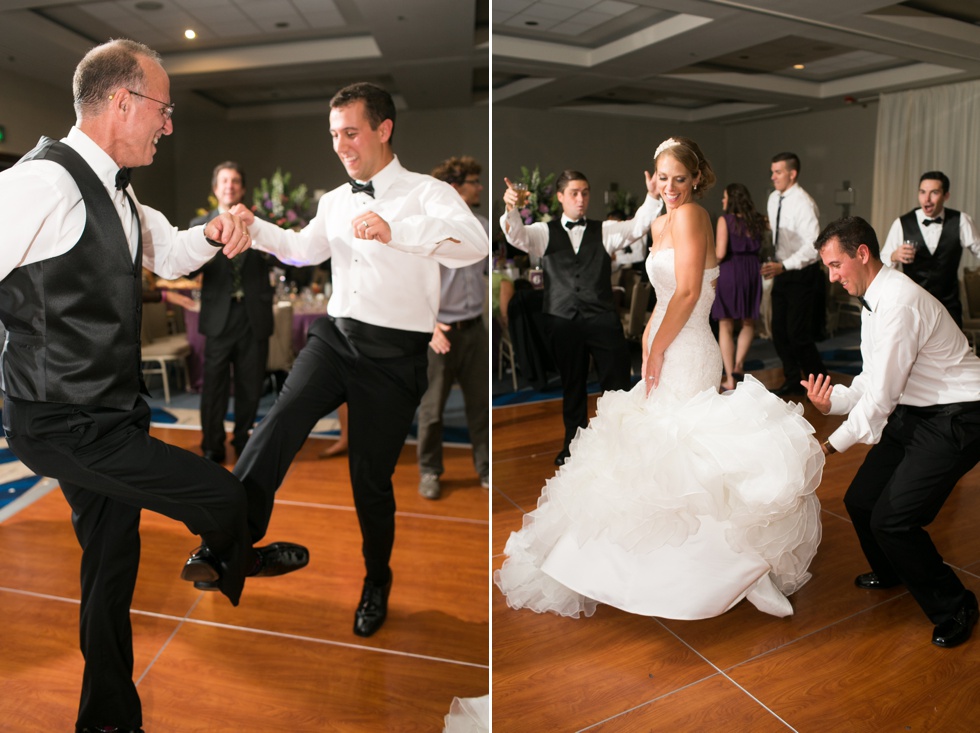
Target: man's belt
{"points": [[463, 325]]}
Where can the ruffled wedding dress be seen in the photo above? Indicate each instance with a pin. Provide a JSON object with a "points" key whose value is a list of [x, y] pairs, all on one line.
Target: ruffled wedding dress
{"points": [[678, 505]]}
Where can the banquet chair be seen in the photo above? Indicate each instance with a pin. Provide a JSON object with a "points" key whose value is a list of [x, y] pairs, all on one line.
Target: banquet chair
{"points": [[636, 317], [506, 352], [161, 348], [281, 356]]}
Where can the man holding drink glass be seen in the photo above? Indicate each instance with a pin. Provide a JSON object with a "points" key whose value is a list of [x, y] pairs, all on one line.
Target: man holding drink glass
{"points": [[928, 243], [576, 255]]}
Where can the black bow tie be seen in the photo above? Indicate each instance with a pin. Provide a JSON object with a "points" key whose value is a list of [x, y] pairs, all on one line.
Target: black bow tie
{"points": [[864, 303], [367, 188], [572, 224], [122, 179], [937, 220]]}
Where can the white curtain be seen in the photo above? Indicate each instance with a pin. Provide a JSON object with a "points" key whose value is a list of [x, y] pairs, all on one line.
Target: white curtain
{"points": [[927, 130]]}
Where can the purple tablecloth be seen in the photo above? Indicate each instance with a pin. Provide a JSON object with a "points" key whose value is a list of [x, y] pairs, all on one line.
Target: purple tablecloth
{"points": [[195, 362]]}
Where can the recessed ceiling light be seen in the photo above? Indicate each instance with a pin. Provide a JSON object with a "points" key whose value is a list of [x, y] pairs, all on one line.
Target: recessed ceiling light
{"points": [[282, 24], [530, 22], [189, 34], [798, 66]]}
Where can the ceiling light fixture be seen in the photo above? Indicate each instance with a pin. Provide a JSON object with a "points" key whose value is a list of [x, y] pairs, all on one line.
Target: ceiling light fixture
{"points": [[189, 34], [799, 67]]}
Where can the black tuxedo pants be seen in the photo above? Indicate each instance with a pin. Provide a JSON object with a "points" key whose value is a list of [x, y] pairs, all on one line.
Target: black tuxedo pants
{"points": [[109, 469], [236, 351], [381, 394], [573, 341], [798, 304], [899, 490]]}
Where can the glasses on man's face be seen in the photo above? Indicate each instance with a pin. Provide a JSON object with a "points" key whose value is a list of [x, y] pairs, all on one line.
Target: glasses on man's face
{"points": [[472, 181], [168, 108]]}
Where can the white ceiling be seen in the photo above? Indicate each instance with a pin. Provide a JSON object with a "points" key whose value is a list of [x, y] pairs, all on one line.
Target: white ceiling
{"points": [[267, 57], [722, 60]]}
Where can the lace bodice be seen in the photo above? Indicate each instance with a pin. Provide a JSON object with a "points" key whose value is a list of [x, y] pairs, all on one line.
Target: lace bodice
{"points": [[692, 363]]}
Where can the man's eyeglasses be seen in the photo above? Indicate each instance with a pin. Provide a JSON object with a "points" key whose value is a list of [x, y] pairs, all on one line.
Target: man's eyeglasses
{"points": [[472, 181], [168, 108]]}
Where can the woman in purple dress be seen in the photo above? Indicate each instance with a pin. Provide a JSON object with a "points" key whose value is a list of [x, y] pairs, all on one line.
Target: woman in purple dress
{"points": [[738, 239]]}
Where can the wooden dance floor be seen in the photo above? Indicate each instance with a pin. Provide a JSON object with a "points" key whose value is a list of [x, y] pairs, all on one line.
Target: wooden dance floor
{"points": [[286, 659], [847, 660]]}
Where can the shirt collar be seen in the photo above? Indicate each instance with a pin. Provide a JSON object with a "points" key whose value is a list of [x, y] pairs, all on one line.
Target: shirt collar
{"points": [[920, 216], [565, 219], [98, 159], [385, 177], [873, 294]]}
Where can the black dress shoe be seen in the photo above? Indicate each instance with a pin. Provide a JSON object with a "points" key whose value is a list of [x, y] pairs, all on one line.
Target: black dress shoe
{"points": [[280, 558], [202, 567], [107, 729], [216, 456], [373, 609], [956, 630], [788, 388], [562, 455], [871, 581]]}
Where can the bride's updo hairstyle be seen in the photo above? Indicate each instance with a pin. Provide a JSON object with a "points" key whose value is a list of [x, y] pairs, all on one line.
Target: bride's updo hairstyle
{"points": [[686, 152]]}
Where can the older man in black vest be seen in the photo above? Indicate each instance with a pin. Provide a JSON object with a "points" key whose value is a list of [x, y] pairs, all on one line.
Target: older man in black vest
{"points": [[928, 243], [70, 298], [578, 301]]}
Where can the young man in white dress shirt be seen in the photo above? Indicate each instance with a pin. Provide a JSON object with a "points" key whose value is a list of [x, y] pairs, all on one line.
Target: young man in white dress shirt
{"points": [[917, 402], [385, 233], [576, 255], [798, 288], [928, 243], [75, 238]]}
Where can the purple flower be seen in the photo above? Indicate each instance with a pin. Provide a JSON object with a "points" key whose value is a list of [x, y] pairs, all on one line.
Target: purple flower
{"points": [[543, 208], [291, 216]]}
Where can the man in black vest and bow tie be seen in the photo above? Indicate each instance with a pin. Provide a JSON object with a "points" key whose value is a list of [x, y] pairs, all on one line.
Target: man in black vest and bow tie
{"points": [[928, 243], [575, 254], [236, 317], [75, 238]]}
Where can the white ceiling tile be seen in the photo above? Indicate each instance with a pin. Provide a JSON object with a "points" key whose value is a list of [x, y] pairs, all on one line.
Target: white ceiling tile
{"points": [[613, 7], [540, 24], [550, 11]]}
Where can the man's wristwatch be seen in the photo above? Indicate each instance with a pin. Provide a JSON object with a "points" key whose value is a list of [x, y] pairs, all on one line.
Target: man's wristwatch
{"points": [[829, 447]]}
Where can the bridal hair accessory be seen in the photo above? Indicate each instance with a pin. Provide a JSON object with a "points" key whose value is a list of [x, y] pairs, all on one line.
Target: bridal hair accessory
{"points": [[670, 143]]}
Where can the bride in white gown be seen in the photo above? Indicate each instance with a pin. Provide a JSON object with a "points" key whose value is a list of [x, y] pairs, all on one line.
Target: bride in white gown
{"points": [[676, 501]]}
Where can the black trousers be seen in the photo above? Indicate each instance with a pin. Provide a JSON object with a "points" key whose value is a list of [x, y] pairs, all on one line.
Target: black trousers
{"points": [[382, 391], [573, 340], [797, 320], [899, 490], [235, 349], [110, 469]]}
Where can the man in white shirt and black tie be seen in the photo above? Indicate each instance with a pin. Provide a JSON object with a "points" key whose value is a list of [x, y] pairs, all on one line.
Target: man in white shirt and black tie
{"points": [[798, 285], [385, 234], [575, 254], [917, 403], [928, 243]]}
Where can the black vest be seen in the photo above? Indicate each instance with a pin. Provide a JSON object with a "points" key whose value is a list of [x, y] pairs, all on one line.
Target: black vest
{"points": [[937, 272], [73, 321], [577, 284]]}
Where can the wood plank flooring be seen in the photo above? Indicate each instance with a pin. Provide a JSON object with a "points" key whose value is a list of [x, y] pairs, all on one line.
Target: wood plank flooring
{"points": [[286, 659], [847, 660]]}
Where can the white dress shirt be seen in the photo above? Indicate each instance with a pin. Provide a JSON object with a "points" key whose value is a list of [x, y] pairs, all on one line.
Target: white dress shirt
{"points": [[533, 238], [969, 237], [395, 285], [914, 354], [799, 226], [43, 216]]}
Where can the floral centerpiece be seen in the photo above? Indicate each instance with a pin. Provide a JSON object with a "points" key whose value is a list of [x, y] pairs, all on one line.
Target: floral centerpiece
{"points": [[622, 201], [542, 204], [275, 201]]}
